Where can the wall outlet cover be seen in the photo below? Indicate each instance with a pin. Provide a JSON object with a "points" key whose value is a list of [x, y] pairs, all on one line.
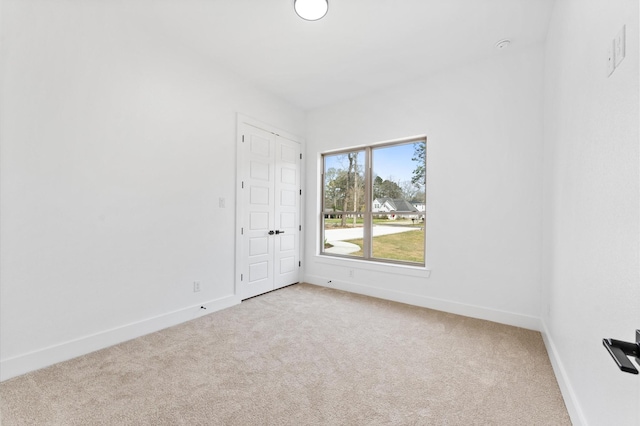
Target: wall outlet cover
{"points": [[619, 51], [611, 65]]}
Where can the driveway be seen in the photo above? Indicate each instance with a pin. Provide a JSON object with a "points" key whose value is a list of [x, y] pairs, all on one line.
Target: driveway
{"points": [[337, 237], [353, 233]]}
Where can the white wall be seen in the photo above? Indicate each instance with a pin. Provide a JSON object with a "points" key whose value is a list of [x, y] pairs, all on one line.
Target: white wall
{"points": [[117, 144], [483, 123], [591, 221]]}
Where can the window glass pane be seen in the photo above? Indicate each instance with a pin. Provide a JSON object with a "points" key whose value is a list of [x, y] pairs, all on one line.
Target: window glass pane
{"points": [[344, 183], [399, 237], [398, 202], [393, 211], [398, 175], [343, 234]]}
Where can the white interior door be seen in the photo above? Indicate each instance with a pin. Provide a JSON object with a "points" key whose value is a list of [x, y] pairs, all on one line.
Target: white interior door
{"points": [[287, 213], [269, 209], [257, 208]]}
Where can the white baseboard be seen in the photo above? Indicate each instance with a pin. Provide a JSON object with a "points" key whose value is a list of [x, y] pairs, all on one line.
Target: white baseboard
{"points": [[509, 318], [502, 317], [45, 357], [569, 396]]}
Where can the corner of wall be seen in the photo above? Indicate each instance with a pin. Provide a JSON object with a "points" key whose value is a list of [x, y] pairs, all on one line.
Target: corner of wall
{"points": [[473, 311], [570, 398]]}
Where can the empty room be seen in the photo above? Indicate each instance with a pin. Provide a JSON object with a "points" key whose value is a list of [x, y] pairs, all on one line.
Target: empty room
{"points": [[309, 212]]}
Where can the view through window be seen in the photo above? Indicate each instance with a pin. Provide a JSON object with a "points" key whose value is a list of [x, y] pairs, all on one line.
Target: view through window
{"points": [[374, 202]]}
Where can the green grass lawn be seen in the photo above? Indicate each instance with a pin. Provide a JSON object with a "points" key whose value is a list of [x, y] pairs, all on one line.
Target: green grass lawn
{"points": [[405, 246]]}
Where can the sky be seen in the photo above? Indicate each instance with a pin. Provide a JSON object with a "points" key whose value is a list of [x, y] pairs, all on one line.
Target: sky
{"points": [[392, 162]]}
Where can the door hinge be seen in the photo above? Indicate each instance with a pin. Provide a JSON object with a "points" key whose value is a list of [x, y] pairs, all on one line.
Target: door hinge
{"points": [[301, 192], [299, 227], [299, 264], [242, 184], [241, 231], [301, 156], [241, 277], [242, 138]]}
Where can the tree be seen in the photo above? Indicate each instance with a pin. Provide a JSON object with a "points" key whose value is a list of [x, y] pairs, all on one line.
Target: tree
{"points": [[409, 190], [377, 189], [391, 189], [419, 156], [386, 188], [354, 190], [419, 197], [344, 185], [335, 188]]}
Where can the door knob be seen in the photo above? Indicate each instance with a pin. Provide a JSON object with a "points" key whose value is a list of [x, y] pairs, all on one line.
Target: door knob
{"points": [[620, 350], [271, 232], [279, 232]]}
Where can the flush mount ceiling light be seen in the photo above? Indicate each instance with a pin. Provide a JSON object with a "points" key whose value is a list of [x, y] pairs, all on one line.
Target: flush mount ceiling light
{"points": [[311, 10], [503, 44]]}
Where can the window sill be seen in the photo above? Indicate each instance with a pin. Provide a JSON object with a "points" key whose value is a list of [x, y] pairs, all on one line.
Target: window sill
{"points": [[390, 268]]}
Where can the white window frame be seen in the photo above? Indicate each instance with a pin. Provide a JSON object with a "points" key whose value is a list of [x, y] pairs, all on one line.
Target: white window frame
{"points": [[368, 213]]}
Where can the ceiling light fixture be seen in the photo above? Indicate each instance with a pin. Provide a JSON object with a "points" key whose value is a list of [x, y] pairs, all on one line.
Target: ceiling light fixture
{"points": [[311, 10], [503, 44]]}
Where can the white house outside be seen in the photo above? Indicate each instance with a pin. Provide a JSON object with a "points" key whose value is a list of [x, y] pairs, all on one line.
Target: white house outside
{"points": [[395, 208]]}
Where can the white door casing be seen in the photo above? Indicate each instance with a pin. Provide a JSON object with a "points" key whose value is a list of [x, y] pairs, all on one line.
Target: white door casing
{"points": [[268, 211]]}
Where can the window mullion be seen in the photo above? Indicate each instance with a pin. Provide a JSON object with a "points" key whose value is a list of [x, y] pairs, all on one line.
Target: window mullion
{"points": [[368, 217]]}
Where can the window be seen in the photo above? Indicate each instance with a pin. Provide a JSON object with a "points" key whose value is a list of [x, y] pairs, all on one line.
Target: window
{"points": [[374, 202]]}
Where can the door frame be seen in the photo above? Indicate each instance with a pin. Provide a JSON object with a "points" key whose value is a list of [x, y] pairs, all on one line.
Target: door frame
{"points": [[240, 172]]}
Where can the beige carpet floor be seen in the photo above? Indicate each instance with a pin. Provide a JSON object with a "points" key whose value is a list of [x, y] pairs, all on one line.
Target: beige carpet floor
{"points": [[302, 355]]}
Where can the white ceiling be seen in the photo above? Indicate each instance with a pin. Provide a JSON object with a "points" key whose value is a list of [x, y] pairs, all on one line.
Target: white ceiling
{"points": [[360, 46]]}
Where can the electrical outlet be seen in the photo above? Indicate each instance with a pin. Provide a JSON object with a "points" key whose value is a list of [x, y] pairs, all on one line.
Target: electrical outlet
{"points": [[221, 202], [196, 286], [351, 273], [619, 50], [611, 62]]}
